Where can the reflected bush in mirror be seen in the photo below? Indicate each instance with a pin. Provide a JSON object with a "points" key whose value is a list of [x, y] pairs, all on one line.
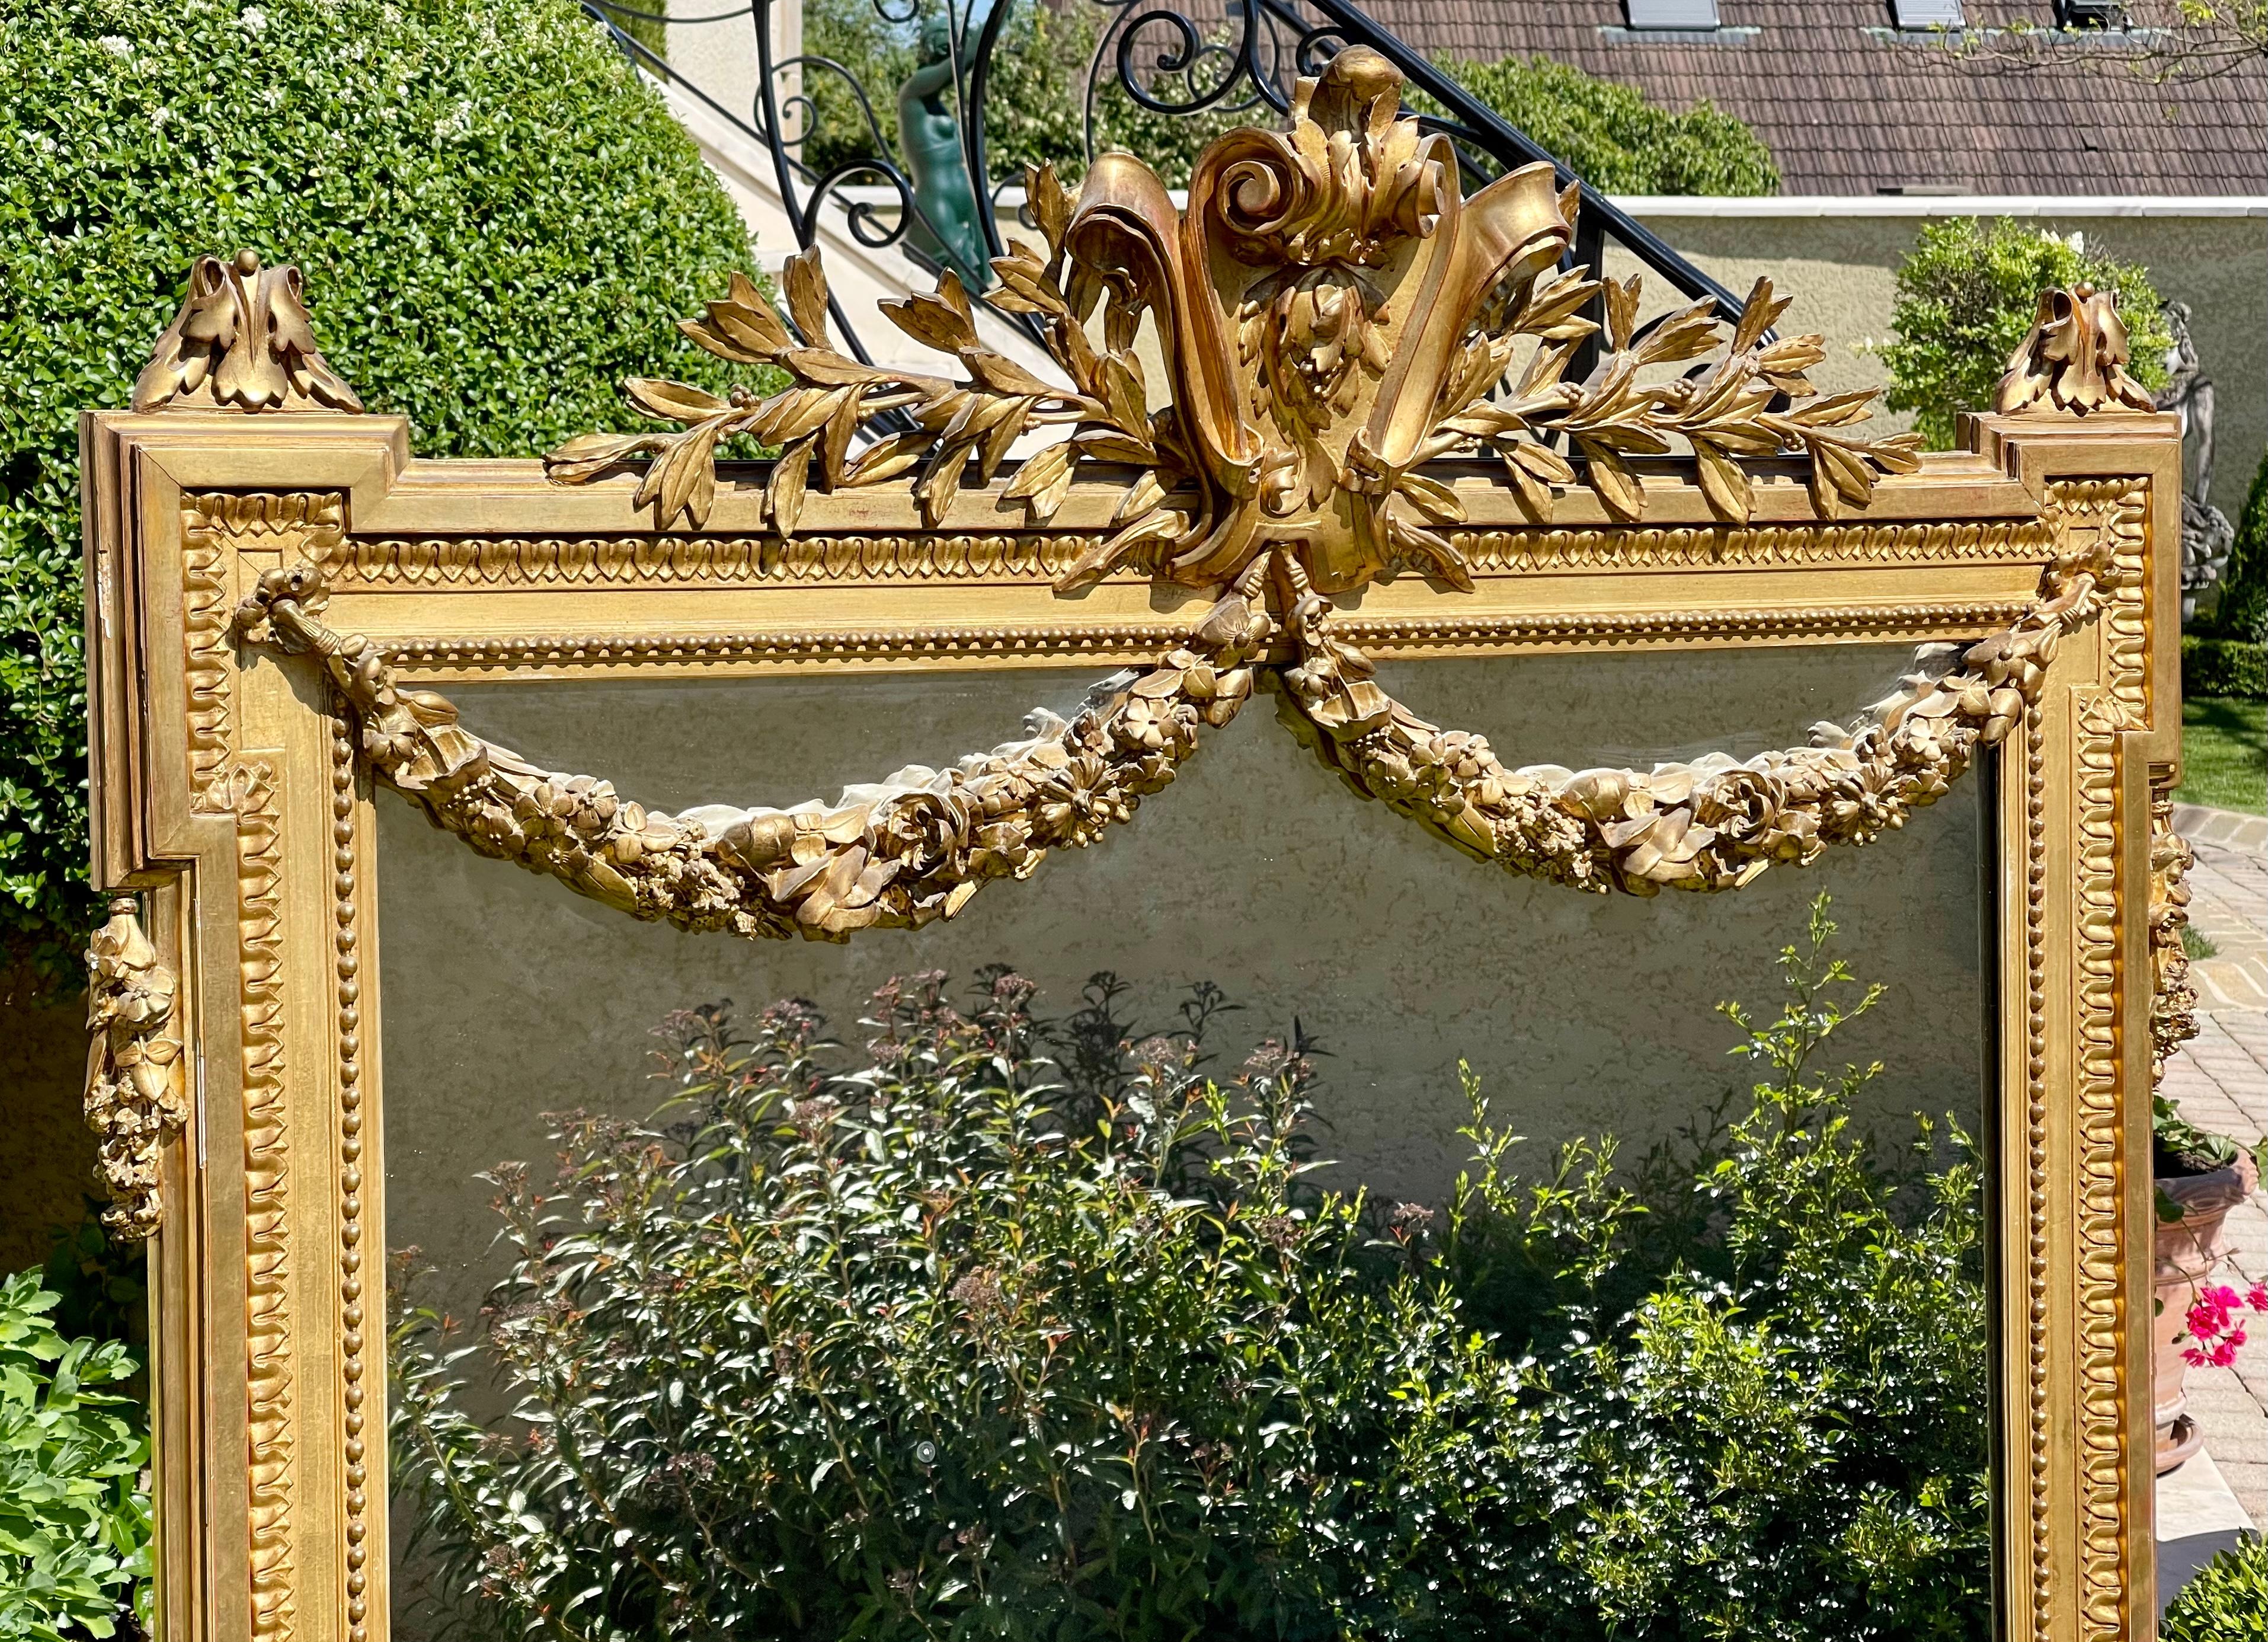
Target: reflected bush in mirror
{"points": [[1014, 1328]]}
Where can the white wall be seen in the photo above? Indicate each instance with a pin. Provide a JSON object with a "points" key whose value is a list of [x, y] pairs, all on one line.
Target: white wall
{"points": [[1838, 258]]}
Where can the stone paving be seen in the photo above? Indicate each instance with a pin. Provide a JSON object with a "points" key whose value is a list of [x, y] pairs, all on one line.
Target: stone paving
{"points": [[2221, 1083]]}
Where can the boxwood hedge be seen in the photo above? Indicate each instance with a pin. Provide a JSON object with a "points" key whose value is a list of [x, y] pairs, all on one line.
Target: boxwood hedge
{"points": [[2234, 668], [497, 221]]}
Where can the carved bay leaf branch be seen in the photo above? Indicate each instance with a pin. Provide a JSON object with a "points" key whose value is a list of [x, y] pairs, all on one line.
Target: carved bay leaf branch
{"points": [[816, 421], [1753, 403], [1273, 290]]}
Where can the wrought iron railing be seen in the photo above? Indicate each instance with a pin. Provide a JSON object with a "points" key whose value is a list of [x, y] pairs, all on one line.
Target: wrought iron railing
{"points": [[934, 192]]}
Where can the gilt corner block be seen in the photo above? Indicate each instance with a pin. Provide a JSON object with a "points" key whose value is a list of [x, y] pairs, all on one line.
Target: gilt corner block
{"points": [[1371, 445]]}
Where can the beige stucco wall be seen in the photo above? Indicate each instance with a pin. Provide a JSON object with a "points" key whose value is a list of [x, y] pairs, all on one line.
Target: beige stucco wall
{"points": [[1838, 259], [1841, 271], [505, 995]]}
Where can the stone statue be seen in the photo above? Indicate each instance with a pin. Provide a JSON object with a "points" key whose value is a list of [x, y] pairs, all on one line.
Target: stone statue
{"points": [[2207, 536], [929, 132]]}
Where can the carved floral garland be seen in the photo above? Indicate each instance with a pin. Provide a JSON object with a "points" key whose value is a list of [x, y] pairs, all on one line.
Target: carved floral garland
{"points": [[1335, 316], [2173, 999], [899, 854], [135, 1096], [915, 847], [1712, 824]]}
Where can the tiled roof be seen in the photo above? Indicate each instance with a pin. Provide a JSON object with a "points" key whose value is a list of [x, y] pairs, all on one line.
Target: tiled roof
{"points": [[1849, 106]]}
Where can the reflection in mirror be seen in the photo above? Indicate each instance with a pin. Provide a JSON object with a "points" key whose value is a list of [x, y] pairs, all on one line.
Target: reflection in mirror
{"points": [[1347, 971]]}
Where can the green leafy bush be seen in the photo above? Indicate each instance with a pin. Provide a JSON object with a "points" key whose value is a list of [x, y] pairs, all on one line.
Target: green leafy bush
{"points": [[1616, 139], [2226, 1601], [1012, 1328], [74, 1500], [497, 222], [1967, 294]]}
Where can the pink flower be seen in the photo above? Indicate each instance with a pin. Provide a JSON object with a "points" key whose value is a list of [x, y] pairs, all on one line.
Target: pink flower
{"points": [[2210, 1312], [2257, 1297], [2224, 1354], [2205, 1319], [2194, 1357]]}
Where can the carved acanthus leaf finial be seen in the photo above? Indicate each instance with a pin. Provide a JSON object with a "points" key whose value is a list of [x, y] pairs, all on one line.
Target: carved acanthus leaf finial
{"points": [[2073, 359], [242, 341], [134, 1078]]}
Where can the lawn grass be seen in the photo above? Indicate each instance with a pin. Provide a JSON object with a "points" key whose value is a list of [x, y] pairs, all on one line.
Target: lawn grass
{"points": [[2225, 753]]}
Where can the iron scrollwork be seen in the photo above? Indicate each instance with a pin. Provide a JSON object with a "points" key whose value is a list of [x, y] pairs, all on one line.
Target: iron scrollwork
{"points": [[944, 189]]}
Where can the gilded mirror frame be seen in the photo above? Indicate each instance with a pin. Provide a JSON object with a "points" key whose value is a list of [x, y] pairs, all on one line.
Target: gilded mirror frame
{"points": [[280, 595]]}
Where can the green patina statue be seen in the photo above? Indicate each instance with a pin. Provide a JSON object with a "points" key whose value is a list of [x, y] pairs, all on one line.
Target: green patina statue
{"points": [[929, 131]]}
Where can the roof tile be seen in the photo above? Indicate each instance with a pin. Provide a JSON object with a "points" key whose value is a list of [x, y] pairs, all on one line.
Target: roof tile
{"points": [[1848, 107]]}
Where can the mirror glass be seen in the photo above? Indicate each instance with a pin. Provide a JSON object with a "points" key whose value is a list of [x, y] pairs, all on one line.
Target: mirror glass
{"points": [[1315, 918]]}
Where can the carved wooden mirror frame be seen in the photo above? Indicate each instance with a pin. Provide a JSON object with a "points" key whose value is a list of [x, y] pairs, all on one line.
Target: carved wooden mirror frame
{"points": [[276, 585]]}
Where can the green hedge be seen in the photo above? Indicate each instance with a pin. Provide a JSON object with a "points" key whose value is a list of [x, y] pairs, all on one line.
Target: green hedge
{"points": [[1968, 293], [1613, 137], [497, 222], [2241, 610], [2234, 668]]}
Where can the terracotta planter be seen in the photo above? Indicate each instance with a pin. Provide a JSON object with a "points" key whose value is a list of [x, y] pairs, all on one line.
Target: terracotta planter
{"points": [[2189, 1251]]}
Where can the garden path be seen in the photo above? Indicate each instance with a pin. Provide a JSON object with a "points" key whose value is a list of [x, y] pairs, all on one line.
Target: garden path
{"points": [[2219, 1081]]}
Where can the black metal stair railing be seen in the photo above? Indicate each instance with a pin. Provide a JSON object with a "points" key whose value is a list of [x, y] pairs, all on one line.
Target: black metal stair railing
{"points": [[1237, 63]]}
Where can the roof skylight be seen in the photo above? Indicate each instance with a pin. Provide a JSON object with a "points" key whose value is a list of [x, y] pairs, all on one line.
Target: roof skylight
{"points": [[1680, 14]]}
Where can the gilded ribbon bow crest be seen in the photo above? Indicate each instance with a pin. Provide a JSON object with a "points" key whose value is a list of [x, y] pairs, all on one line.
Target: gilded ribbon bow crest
{"points": [[1332, 315]]}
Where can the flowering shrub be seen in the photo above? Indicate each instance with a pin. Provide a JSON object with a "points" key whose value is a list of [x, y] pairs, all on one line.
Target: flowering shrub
{"points": [[1020, 1329], [2214, 1320]]}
